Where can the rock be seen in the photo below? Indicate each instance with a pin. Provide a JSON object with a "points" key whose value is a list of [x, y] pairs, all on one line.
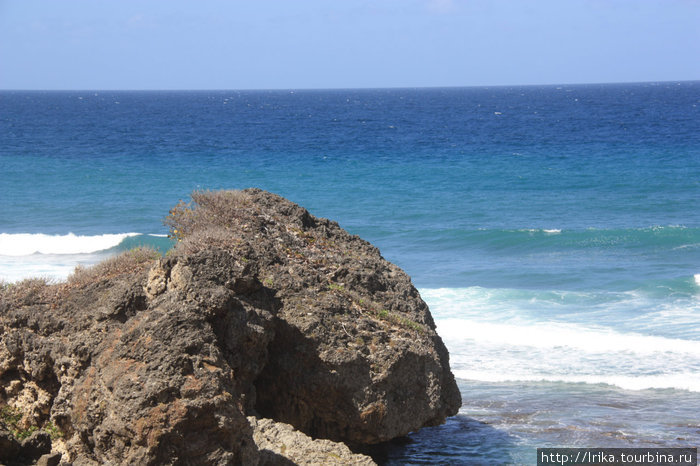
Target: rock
{"points": [[37, 444], [9, 447], [261, 309], [49, 459], [355, 356], [278, 441], [144, 385], [27, 451]]}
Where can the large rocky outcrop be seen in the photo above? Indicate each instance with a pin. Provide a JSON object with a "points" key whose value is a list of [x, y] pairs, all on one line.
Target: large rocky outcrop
{"points": [[260, 309]]}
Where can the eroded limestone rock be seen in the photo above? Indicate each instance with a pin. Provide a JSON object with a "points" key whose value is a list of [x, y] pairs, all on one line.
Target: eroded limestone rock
{"points": [[261, 309]]}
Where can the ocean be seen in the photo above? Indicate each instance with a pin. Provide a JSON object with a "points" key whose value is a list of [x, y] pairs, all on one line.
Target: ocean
{"points": [[554, 231]]}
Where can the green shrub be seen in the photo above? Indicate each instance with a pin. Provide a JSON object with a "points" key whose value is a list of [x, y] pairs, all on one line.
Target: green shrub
{"points": [[53, 431], [12, 418]]}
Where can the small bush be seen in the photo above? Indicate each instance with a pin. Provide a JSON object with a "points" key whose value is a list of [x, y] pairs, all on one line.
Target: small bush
{"points": [[207, 210], [207, 221]]}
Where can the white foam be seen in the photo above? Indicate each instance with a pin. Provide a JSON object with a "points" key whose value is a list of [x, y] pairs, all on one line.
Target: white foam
{"points": [[548, 231], [626, 339], [697, 278], [551, 335], [55, 272], [679, 381], [52, 266], [24, 244]]}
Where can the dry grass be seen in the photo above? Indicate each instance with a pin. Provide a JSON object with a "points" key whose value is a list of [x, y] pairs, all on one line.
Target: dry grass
{"points": [[26, 292], [207, 209], [33, 291], [127, 262]]}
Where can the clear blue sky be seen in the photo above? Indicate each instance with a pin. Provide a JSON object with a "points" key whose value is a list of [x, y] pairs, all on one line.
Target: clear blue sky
{"points": [[283, 44]]}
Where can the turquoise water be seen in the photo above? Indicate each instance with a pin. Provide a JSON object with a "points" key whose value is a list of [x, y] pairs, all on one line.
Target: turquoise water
{"points": [[554, 231]]}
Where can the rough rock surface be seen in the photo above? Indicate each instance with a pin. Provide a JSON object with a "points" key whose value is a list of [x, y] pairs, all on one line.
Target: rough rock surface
{"points": [[281, 444], [260, 309]]}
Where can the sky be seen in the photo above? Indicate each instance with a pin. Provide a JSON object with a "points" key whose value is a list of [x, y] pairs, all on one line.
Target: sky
{"points": [[311, 44]]}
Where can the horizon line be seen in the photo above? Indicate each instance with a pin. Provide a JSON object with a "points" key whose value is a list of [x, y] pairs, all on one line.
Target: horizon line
{"points": [[293, 89]]}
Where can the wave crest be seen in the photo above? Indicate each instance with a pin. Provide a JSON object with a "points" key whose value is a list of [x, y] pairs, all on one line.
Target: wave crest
{"points": [[685, 381], [24, 244]]}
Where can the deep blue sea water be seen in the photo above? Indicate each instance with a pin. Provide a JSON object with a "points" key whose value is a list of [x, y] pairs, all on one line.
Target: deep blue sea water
{"points": [[553, 230]]}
